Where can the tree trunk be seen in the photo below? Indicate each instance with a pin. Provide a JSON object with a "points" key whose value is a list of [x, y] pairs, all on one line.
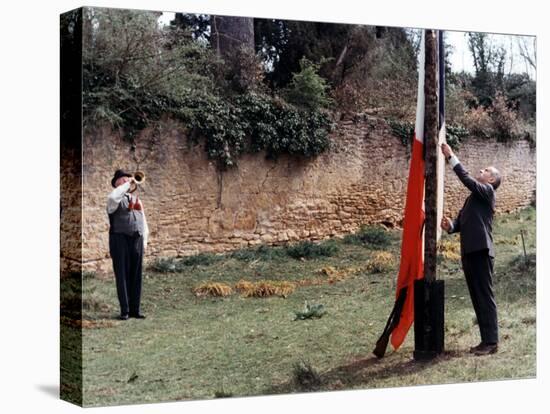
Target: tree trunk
{"points": [[231, 33]]}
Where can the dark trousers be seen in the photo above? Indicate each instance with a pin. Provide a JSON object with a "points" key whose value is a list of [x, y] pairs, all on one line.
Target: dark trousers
{"points": [[478, 269], [127, 254]]}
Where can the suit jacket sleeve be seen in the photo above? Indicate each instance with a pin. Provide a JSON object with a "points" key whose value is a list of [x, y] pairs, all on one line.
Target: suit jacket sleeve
{"points": [[456, 224], [482, 191]]}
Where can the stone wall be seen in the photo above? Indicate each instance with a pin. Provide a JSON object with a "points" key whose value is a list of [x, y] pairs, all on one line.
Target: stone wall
{"points": [[193, 208]]}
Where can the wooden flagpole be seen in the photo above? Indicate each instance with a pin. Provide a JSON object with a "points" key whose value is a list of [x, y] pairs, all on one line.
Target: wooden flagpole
{"points": [[429, 291]]}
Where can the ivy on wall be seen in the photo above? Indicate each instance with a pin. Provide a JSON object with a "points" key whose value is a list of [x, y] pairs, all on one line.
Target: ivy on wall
{"points": [[404, 130]]}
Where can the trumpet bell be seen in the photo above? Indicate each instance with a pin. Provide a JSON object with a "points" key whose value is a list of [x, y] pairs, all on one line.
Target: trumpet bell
{"points": [[139, 176]]}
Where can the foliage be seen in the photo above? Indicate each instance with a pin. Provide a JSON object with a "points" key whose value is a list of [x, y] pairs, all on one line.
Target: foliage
{"points": [[521, 93], [404, 130], [262, 252], [307, 89], [505, 122], [456, 134], [310, 250], [243, 71], [174, 264], [136, 73], [310, 312], [489, 66], [284, 43], [279, 128], [375, 236], [201, 259], [164, 265], [198, 24], [478, 122], [377, 73]]}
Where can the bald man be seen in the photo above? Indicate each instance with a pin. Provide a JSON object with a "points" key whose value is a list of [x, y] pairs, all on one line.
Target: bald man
{"points": [[475, 225]]}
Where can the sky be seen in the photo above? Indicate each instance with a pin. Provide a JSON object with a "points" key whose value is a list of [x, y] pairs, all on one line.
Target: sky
{"points": [[461, 58]]}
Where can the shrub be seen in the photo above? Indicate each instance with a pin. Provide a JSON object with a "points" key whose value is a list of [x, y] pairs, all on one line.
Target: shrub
{"points": [[478, 122], [201, 259], [164, 265], [455, 135], [310, 250], [371, 235], [307, 89], [262, 252], [310, 312], [173, 264], [505, 120]]}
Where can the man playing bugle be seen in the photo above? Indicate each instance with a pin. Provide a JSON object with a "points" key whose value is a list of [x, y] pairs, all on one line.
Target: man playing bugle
{"points": [[128, 234]]}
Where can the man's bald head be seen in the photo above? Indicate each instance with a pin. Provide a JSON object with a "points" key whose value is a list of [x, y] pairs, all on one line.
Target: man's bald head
{"points": [[490, 175], [495, 175]]}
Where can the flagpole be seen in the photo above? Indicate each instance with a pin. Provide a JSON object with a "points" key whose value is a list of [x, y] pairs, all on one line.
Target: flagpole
{"points": [[428, 292]]}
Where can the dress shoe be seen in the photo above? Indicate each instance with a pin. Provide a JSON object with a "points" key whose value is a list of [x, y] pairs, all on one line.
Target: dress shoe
{"points": [[137, 315], [486, 349], [475, 348], [123, 317]]}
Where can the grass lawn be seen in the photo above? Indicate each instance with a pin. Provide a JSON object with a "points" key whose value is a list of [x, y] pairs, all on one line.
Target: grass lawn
{"points": [[193, 347]]}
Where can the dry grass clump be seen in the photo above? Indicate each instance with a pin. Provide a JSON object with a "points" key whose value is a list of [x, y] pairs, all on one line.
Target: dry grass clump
{"points": [[316, 281], [212, 289], [380, 262], [449, 249], [336, 275], [265, 288]]}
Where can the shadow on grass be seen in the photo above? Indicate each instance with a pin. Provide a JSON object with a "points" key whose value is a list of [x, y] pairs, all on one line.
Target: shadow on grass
{"points": [[361, 373]]}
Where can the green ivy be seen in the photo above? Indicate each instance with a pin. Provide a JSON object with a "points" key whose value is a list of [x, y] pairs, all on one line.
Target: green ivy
{"points": [[229, 126], [404, 130], [455, 135]]}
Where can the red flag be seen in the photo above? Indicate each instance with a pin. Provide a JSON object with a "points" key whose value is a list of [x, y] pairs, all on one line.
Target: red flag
{"points": [[411, 267]]}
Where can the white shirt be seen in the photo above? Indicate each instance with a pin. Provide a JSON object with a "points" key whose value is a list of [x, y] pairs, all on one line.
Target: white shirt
{"points": [[114, 199], [453, 160]]}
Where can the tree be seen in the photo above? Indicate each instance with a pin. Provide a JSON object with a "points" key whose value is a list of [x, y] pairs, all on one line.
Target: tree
{"points": [[283, 43], [489, 67], [528, 50], [198, 24], [232, 38], [230, 33]]}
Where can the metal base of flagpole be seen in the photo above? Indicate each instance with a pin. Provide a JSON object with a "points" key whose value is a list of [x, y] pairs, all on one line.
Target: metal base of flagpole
{"points": [[429, 313]]}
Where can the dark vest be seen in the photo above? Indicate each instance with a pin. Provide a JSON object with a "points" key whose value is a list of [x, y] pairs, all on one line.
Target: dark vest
{"points": [[126, 221]]}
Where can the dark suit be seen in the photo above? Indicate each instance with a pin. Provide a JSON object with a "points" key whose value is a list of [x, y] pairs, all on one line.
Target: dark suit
{"points": [[475, 224]]}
